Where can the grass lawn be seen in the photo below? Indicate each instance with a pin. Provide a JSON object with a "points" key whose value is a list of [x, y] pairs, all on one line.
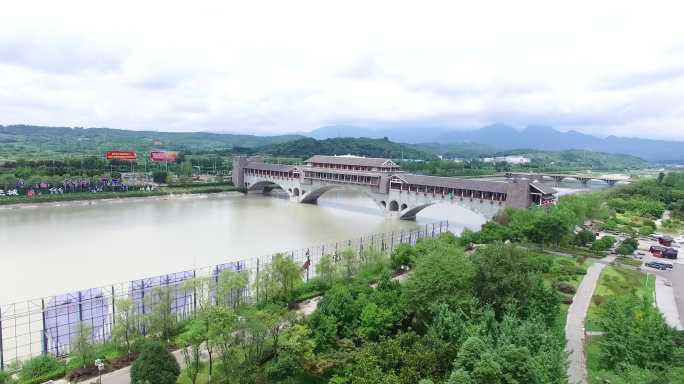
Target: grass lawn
{"points": [[592, 350], [617, 281]]}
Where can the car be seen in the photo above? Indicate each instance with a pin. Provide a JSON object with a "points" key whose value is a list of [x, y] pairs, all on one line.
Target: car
{"points": [[656, 265], [659, 265], [668, 283]]}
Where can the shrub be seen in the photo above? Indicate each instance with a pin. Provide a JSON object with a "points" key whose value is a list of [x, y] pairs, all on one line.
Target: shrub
{"points": [[40, 369], [160, 176], [154, 365], [566, 288], [5, 378]]}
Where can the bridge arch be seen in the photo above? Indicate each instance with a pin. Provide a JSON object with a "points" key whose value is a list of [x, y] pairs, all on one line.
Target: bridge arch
{"points": [[394, 206], [410, 208], [295, 192], [262, 184], [311, 197]]}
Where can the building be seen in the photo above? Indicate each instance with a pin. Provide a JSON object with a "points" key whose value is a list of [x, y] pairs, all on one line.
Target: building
{"points": [[353, 163], [507, 159]]}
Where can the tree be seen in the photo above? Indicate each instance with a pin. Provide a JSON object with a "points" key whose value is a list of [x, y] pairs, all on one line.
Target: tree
{"points": [[375, 321], [501, 277], [278, 279], [585, 237], [403, 256], [327, 271], [190, 342], [161, 320], [442, 275], [126, 324], [160, 177], [230, 287], [154, 365], [185, 169], [350, 262], [82, 344], [223, 334]]}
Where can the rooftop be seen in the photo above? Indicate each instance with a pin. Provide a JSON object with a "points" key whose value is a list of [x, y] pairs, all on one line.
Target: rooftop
{"points": [[448, 182], [353, 160], [270, 167]]}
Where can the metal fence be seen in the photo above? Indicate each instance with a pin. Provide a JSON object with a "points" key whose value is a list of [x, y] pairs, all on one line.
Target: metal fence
{"points": [[48, 325]]}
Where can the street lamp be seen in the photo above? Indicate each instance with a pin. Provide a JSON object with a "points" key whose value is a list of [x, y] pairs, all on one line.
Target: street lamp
{"points": [[100, 367]]}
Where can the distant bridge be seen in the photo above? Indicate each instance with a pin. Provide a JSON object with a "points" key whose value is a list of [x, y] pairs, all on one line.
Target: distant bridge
{"points": [[394, 191], [557, 178]]}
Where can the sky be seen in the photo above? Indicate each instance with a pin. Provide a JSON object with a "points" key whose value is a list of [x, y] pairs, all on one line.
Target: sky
{"points": [[599, 67]]}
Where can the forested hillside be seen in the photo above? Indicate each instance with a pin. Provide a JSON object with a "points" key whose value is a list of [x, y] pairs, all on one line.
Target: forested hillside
{"points": [[341, 146], [24, 141]]}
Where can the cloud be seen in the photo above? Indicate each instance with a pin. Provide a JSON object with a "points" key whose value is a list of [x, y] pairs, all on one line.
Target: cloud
{"points": [[643, 79], [61, 55], [233, 67]]}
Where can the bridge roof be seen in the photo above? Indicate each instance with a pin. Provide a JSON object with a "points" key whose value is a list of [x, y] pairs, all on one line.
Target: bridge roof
{"points": [[344, 171], [451, 182], [352, 160], [270, 167], [544, 189]]}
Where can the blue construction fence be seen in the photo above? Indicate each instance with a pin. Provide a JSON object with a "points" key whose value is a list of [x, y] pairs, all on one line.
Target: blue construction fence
{"points": [[48, 325]]}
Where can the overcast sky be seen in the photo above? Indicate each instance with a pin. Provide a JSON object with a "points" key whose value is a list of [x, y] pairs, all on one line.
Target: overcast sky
{"points": [[600, 67]]}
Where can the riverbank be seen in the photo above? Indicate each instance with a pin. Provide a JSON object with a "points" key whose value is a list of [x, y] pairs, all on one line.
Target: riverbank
{"points": [[79, 198]]}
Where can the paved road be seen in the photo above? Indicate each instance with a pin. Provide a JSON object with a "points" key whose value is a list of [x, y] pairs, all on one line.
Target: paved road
{"points": [[574, 327], [672, 311]]}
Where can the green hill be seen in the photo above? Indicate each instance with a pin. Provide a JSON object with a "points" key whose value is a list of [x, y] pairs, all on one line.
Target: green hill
{"points": [[341, 146], [25, 141]]}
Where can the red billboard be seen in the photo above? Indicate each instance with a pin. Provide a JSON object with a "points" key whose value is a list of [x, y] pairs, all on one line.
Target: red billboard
{"points": [[163, 156], [121, 155]]}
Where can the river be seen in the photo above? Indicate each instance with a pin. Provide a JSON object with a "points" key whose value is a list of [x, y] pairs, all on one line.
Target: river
{"points": [[47, 250]]}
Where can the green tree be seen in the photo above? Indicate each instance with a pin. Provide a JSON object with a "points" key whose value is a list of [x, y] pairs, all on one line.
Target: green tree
{"points": [[82, 344], [278, 280], [350, 262], [230, 287], [585, 237], [162, 322], [190, 342], [501, 277], [442, 275], [327, 271], [160, 177], [403, 256], [126, 325], [223, 335], [154, 365]]}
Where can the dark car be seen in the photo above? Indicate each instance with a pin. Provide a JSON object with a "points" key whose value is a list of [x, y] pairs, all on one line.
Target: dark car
{"points": [[656, 265], [659, 265]]}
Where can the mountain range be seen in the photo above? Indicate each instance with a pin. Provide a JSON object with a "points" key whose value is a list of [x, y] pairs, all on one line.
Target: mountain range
{"points": [[505, 137]]}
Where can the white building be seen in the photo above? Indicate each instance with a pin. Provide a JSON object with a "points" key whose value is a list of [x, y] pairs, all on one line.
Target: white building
{"points": [[507, 159]]}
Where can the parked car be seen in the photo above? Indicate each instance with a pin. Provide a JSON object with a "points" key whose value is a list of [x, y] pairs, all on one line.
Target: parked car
{"points": [[656, 265]]}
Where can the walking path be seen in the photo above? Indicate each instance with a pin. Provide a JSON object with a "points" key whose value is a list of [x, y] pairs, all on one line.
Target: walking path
{"points": [[574, 327]]}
